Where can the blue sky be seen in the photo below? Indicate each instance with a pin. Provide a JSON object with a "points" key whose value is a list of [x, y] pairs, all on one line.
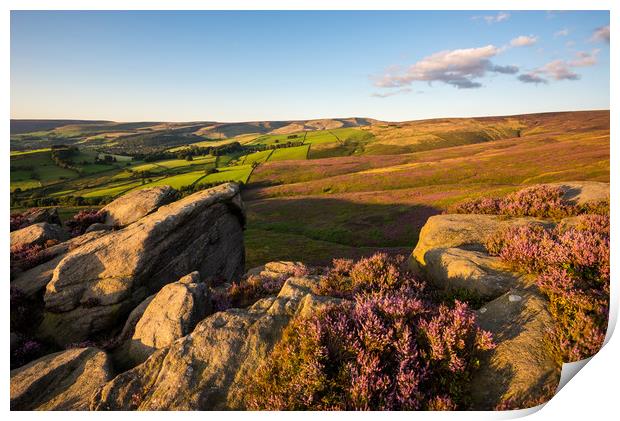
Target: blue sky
{"points": [[241, 66]]}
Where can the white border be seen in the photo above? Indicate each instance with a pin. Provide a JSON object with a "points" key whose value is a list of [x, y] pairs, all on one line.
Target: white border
{"points": [[592, 394]]}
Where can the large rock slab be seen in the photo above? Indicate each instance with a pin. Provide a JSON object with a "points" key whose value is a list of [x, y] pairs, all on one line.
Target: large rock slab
{"points": [[522, 367], [207, 369], [582, 192], [456, 269], [96, 285], [458, 230], [62, 381], [133, 206], [38, 233], [170, 315]]}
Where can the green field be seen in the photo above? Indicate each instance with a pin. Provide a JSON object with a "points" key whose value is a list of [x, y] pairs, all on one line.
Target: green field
{"points": [[259, 157], [35, 169], [356, 189], [296, 152], [237, 173]]}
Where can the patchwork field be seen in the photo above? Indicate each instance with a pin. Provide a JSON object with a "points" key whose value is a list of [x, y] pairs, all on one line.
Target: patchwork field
{"points": [[321, 189]]}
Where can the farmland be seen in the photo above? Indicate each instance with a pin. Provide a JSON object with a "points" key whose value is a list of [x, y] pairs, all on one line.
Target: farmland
{"points": [[316, 189]]}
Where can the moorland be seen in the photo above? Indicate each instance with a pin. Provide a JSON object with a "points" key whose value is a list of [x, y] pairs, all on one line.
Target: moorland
{"points": [[314, 189]]}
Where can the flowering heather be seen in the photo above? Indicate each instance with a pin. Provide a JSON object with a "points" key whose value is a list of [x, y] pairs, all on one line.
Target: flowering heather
{"points": [[383, 351], [571, 262], [18, 220], [387, 347], [379, 272], [540, 201], [250, 290], [84, 219], [25, 257], [26, 351]]}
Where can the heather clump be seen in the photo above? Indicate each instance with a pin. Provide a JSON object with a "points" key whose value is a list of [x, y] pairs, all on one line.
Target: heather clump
{"points": [[382, 351], [539, 201], [379, 272], [18, 221], [84, 219], [571, 264], [387, 346], [253, 288]]}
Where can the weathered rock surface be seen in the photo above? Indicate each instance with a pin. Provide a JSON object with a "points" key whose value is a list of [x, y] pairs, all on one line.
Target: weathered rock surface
{"points": [[207, 369], [98, 226], [38, 234], [474, 271], [133, 206], [33, 281], [278, 269], [96, 285], [172, 314], [62, 381], [582, 192], [522, 363], [450, 253]]}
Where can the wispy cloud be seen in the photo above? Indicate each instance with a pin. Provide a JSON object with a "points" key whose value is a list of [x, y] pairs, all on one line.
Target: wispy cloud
{"points": [[392, 93], [499, 17], [523, 41], [531, 78], [459, 68], [584, 59], [561, 33], [600, 34], [561, 69]]}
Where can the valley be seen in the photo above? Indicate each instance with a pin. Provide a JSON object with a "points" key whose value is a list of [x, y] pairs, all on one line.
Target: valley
{"points": [[317, 189]]}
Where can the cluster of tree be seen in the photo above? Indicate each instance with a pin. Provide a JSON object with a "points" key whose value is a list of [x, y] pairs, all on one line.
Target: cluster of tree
{"points": [[107, 159], [187, 190], [35, 202], [188, 153], [277, 145], [63, 155]]}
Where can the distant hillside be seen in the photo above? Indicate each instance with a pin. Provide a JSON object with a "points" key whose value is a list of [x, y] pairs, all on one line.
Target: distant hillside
{"points": [[19, 126]]}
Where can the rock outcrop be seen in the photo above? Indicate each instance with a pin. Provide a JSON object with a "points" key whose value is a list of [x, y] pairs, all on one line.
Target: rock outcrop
{"points": [[62, 381], [521, 365], [451, 255], [582, 192], [133, 206], [96, 285], [170, 315], [38, 233], [207, 369]]}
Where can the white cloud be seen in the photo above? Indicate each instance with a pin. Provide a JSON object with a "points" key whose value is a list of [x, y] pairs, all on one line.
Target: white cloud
{"points": [[601, 34], [570, 44], [499, 17], [585, 59], [523, 41], [458, 68], [559, 70], [561, 33], [392, 93]]}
